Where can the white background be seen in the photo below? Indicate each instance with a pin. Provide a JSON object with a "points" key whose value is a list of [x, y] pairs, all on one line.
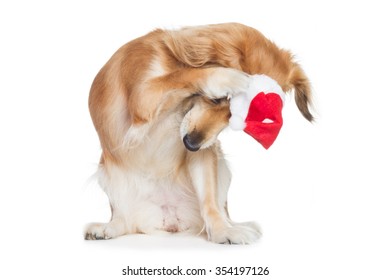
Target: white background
{"points": [[320, 193]]}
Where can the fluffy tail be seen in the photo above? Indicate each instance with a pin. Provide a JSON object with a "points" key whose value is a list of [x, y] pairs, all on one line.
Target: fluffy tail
{"points": [[301, 85]]}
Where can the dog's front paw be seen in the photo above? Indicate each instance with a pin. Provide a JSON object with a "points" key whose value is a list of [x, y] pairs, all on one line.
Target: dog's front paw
{"points": [[99, 231], [225, 82], [244, 233]]}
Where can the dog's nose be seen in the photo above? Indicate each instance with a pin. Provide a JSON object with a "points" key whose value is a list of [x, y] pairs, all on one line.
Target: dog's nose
{"points": [[190, 143]]}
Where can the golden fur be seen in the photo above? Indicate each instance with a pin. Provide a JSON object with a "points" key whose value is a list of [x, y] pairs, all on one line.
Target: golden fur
{"points": [[158, 106]]}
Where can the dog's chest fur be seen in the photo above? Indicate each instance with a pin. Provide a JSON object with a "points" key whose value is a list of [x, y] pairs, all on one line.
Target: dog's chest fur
{"points": [[159, 180]]}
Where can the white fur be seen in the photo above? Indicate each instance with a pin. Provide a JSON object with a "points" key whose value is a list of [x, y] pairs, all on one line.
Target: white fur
{"points": [[145, 205], [156, 69], [185, 124], [136, 135], [226, 82]]}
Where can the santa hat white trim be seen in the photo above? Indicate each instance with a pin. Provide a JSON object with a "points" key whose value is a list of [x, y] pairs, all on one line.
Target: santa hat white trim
{"points": [[239, 104]]}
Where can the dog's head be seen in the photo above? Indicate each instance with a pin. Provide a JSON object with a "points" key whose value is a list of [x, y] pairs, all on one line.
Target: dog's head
{"points": [[203, 120]]}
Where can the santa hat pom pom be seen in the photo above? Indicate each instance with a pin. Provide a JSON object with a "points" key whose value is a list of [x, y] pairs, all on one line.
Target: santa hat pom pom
{"points": [[237, 123]]}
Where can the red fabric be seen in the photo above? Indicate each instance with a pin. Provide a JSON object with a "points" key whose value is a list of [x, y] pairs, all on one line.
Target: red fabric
{"points": [[264, 106]]}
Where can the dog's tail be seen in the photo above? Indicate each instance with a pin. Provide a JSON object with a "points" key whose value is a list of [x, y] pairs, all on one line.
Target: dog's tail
{"points": [[300, 83]]}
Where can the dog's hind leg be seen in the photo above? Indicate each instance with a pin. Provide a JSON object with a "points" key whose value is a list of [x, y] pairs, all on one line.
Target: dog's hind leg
{"points": [[115, 183]]}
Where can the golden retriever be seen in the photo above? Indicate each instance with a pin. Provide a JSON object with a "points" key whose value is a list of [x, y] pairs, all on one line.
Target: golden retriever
{"points": [[158, 106]]}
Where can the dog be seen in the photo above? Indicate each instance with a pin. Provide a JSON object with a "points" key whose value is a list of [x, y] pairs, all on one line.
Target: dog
{"points": [[158, 106]]}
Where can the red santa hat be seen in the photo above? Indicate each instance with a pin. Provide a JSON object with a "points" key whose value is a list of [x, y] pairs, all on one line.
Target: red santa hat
{"points": [[259, 110]]}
